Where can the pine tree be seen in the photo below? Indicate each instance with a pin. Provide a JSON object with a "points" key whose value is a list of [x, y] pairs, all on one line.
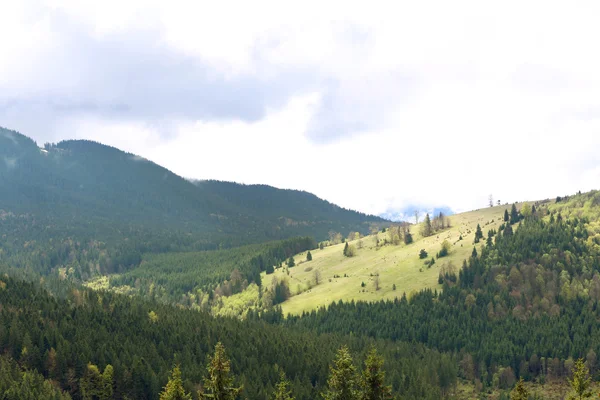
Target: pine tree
{"points": [[520, 392], [174, 389], [474, 253], [343, 381], [291, 262], [219, 383], [580, 381], [373, 377], [514, 214], [506, 217], [282, 389], [106, 392], [478, 234], [346, 250], [426, 229], [308, 256]]}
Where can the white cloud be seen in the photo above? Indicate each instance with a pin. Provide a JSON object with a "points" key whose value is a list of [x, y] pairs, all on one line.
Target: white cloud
{"points": [[378, 105]]}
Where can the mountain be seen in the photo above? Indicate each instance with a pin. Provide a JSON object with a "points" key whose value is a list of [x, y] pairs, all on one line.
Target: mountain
{"points": [[83, 180]]}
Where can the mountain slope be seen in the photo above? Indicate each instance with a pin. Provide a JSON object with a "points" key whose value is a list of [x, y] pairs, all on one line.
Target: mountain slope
{"points": [[83, 179], [396, 268]]}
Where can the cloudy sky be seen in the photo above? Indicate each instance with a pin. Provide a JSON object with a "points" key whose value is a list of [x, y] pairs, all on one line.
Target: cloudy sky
{"points": [[372, 105]]}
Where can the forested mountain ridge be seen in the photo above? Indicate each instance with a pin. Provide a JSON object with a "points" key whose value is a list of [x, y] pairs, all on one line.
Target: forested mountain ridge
{"points": [[524, 304], [87, 198]]}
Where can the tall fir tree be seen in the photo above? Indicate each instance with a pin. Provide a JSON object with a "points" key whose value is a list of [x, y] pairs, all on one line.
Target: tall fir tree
{"points": [[308, 256], [506, 216], [291, 262], [174, 389], [514, 214], [282, 389], [343, 381], [346, 250], [373, 379], [580, 382], [218, 385], [478, 234], [426, 229]]}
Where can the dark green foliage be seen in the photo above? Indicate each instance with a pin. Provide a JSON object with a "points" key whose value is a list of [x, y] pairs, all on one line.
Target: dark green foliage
{"points": [[408, 239], [373, 385], [171, 277], [478, 234], [105, 328], [291, 262], [480, 314], [94, 209], [426, 228], [422, 254], [474, 253], [506, 216], [308, 256], [514, 215]]}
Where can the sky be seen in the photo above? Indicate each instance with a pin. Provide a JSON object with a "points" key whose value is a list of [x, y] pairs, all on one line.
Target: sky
{"points": [[375, 106]]}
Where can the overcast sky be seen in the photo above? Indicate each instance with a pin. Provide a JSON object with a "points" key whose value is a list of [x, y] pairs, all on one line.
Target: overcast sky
{"points": [[373, 106]]}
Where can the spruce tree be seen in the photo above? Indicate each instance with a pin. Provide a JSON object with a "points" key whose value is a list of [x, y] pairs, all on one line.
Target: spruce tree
{"points": [[580, 381], [218, 385], [373, 377], [106, 393], [478, 234], [291, 262], [426, 229], [506, 217], [308, 256], [174, 389], [514, 214], [346, 250], [474, 253], [520, 392], [343, 381], [282, 389]]}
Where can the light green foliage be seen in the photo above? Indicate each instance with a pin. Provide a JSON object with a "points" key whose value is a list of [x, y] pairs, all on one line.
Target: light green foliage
{"points": [[580, 381], [396, 265], [174, 389], [343, 382], [282, 389], [239, 304], [218, 385], [520, 392]]}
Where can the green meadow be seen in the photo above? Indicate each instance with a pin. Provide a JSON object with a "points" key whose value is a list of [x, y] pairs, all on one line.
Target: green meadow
{"points": [[399, 266]]}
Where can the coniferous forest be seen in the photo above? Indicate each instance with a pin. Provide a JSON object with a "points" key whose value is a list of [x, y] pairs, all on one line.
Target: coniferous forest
{"points": [[522, 309]]}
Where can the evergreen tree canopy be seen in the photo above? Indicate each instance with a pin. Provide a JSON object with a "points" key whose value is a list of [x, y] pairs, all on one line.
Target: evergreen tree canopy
{"points": [[218, 385], [174, 389], [373, 379], [343, 381]]}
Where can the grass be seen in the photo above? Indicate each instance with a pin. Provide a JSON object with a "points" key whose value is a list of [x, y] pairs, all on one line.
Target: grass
{"points": [[396, 265]]}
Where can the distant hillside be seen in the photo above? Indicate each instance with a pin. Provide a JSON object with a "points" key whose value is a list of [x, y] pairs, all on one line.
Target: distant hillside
{"points": [[92, 192]]}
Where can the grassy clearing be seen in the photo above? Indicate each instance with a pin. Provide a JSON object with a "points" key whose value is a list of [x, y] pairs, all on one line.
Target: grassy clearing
{"points": [[342, 277]]}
